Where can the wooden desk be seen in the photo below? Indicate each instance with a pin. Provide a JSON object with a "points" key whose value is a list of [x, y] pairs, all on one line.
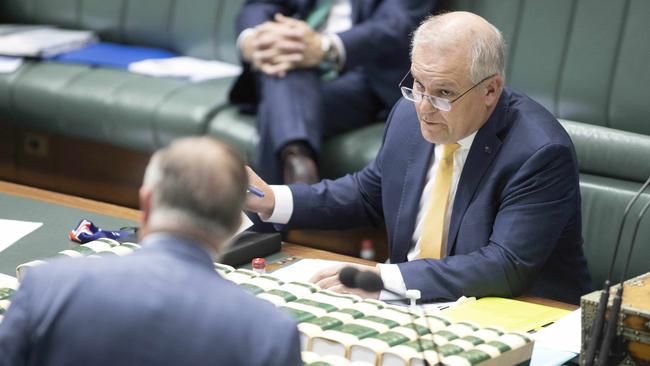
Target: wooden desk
{"points": [[132, 214]]}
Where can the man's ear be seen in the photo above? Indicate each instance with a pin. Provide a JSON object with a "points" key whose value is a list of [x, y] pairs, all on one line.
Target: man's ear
{"points": [[493, 91], [145, 207]]}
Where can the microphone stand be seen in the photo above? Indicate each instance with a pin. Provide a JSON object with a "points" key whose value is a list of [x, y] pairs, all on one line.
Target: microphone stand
{"points": [[597, 326], [612, 319], [371, 282]]}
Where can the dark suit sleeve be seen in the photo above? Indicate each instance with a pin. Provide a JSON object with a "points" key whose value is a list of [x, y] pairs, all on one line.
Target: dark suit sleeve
{"points": [[15, 329], [535, 207], [256, 12], [288, 351], [386, 33], [351, 201]]}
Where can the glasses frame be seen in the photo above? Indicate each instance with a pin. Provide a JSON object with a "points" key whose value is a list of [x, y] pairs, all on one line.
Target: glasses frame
{"points": [[436, 102]]}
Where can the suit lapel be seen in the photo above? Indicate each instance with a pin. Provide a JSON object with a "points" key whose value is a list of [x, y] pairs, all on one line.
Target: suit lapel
{"points": [[412, 186], [485, 147], [356, 10]]}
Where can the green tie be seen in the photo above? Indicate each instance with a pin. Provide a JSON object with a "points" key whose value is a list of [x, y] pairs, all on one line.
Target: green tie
{"points": [[317, 17]]}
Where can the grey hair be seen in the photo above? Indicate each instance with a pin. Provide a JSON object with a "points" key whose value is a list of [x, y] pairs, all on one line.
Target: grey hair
{"points": [[487, 52], [198, 184]]}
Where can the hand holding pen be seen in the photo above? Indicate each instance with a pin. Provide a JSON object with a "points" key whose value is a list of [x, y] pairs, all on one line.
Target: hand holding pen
{"points": [[256, 191], [261, 198]]}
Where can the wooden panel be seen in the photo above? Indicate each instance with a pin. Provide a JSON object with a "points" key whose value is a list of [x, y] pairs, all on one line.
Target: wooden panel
{"points": [[7, 151], [80, 167], [346, 242]]}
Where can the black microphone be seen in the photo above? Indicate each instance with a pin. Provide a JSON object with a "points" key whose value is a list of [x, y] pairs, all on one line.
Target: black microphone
{"points": [[612, 319], [371, 282], [597, 326], [348, 277]]}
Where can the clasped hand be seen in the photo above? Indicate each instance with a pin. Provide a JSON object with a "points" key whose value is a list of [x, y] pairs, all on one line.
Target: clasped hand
{"points": [[283, 44]]}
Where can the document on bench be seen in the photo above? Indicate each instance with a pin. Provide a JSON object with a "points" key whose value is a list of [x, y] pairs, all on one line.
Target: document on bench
{"points": [[13, 230], [44, 42], [9, 64], [190, 68]]}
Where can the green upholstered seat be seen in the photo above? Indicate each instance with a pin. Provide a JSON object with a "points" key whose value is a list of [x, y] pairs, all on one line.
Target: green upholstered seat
{"points": [[237, 129], [613, 165], [115, 106]]}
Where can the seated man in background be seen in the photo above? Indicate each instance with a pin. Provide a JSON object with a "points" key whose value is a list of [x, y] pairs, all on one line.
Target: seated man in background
{"points": [[477, 184], [318, 68], [165, 304]]}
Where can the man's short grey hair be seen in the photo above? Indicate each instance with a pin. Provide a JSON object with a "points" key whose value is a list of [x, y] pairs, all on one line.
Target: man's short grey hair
{"points": [[198, 184], [487, 55]]}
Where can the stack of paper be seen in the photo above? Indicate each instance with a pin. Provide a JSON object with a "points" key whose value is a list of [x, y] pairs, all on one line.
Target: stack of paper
{"points": [[9, 64], [190, 68], [43, 41]]}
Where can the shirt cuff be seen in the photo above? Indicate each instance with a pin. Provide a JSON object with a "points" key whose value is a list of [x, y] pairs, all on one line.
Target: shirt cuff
{"points": [[283, 206], [241, 36], [393, 280], [340, 49]]}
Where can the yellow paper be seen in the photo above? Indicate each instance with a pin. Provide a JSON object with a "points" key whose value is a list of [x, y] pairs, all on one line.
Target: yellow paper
{"points": [[511, 315]]}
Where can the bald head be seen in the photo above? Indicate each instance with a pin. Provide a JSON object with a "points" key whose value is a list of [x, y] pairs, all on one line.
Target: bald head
{"points": [[466, 38], [197, 187]]}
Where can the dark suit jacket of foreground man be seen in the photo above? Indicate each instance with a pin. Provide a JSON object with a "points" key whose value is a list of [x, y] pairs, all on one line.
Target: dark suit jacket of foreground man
{"points": [[164, 305], [515, 226]]}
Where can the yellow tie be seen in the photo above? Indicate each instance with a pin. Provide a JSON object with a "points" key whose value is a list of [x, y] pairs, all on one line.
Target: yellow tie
{"points": [[431, 245]]}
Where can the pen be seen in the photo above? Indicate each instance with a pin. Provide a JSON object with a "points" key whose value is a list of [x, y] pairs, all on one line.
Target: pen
{"points": [[256, 191]]}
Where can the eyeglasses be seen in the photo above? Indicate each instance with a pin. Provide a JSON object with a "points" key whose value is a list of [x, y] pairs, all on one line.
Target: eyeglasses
{"points": [[437, 102]]}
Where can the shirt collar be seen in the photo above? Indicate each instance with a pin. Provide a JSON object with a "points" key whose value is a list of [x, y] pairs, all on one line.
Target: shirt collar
{"points": [[466, 142]]}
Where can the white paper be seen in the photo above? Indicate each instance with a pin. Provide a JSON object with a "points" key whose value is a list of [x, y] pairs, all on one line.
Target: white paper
{"points": [[185, 67], [9, 64], [563, 335], [44, 42], [13, 230], [7, 281], [304, 269], [245, 223]]}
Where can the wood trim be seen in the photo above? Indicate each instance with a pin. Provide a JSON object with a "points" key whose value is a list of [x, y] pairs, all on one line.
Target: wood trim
{"points": [[306, 252], [69, 201]]}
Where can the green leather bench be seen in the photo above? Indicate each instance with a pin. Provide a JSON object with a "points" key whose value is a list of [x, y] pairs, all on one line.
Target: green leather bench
{"points": [[585, 60], [111, 105]]}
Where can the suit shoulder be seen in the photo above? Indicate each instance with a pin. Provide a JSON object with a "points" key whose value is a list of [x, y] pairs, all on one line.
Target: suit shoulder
{"points": [[533, 123]]}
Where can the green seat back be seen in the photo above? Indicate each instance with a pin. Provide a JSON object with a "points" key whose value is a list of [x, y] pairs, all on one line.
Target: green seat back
{"points": [[198, 28], [585, 60]]}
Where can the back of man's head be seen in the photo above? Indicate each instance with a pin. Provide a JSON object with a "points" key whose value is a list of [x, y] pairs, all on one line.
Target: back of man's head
{"points": [[195, 187]]}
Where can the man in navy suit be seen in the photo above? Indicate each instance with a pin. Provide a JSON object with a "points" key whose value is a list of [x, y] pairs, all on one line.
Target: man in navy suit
{"points": [[509, 217], [317, 68], [165, 304]]}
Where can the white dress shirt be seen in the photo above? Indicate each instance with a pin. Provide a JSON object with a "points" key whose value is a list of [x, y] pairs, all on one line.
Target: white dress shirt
{"points": [[338, 20], [390, 273]]}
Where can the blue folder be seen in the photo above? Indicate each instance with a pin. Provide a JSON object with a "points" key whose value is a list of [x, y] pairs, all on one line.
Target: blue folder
{"points": [[111, 55]]}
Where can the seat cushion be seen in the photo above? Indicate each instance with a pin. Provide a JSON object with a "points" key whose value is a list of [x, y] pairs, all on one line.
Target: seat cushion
{"points": [[113, 106], [610, 152], [237, 129], [351, 151], [603, 202], [36, 91], [6, 91]]}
